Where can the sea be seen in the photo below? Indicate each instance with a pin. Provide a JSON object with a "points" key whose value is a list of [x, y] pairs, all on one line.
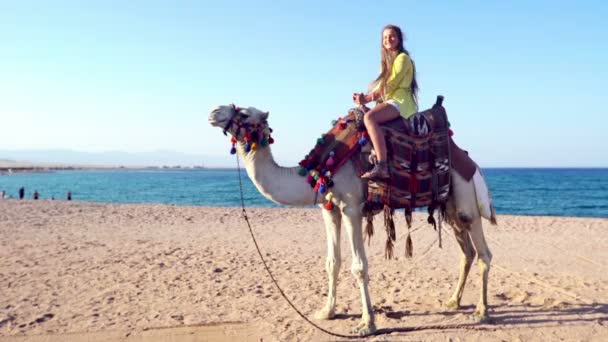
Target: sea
{"points": [[577, 192]]}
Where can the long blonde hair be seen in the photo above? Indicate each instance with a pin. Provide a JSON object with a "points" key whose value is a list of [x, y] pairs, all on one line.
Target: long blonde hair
{"points": [[386, 63]]}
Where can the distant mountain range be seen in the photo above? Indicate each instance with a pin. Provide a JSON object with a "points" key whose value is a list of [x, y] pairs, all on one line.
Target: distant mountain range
{"points": [[117, 158]]}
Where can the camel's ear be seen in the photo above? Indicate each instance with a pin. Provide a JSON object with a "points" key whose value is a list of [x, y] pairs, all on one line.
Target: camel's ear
{"points": [[265, 115]]}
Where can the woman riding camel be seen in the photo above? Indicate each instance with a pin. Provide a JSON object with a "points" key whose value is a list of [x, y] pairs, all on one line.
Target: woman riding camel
{"points": [[395, 91]]}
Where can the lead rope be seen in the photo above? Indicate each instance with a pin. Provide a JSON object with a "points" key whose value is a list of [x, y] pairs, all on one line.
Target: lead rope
{"points": [[375, 333]]}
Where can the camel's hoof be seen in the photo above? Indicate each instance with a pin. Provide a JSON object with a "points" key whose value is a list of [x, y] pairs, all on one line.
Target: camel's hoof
{"points": [[482, 317], [325, 314], [365, 328], [453, 304]]}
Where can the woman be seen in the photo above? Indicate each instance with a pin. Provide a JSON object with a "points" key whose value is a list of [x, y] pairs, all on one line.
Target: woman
{"points": [[395, 90]]}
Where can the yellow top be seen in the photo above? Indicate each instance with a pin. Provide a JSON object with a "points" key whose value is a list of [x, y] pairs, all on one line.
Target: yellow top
{"points": [[398, 85]]}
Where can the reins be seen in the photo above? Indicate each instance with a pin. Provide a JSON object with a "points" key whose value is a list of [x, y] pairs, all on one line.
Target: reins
{"points": [[375, 333]]}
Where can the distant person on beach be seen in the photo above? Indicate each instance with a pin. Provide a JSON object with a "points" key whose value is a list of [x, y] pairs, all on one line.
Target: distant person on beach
{"points": [[69, 195], [3, 194], [21, 193], [395, 92], [36, 195]]}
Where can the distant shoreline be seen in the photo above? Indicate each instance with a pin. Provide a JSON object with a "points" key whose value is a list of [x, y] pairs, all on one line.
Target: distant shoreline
{"points": [[23, 167]]}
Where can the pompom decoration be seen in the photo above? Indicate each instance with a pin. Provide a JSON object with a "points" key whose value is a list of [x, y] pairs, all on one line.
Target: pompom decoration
{"points": [[322, 189], [302, 171], [334, 122], [450, 132], [233, 150], [270, 140], [362, 141], [328, 205], [254, 146], [330, 161], [247, 148]]}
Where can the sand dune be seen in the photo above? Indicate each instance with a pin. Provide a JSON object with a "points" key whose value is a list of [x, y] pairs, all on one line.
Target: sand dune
{"points": [[84, 271]]}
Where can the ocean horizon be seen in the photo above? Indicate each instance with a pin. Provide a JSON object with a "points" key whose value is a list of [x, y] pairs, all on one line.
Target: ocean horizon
{"points": [[576, 192]]}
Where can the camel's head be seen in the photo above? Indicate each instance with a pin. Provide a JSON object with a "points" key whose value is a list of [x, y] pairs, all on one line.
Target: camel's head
{"points": [[246, 125]]}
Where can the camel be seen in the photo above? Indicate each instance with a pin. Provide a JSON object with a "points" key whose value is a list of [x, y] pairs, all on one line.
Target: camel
{"points": [[285, 186]]}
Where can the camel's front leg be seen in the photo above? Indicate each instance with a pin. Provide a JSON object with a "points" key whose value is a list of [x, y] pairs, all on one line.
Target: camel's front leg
{"points": [[332, 220], [352, 221]]}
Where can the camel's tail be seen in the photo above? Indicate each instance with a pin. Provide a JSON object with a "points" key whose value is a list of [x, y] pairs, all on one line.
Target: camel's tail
{"points": [[484, 200]]}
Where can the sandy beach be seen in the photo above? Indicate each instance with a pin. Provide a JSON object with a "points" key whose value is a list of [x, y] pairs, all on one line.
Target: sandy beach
{"points": [[73, 271]]}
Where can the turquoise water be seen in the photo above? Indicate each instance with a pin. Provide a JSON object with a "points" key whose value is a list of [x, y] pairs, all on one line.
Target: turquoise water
{"points": [[552, 192]]}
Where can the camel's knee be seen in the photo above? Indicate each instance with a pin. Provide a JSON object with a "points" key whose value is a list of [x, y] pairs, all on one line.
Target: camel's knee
{"points": [[332, 266], [484, 260], [359, 270], [464, 217]]}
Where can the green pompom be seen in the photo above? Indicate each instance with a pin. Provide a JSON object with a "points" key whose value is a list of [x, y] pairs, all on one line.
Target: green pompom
{"points": [[302, 172]]}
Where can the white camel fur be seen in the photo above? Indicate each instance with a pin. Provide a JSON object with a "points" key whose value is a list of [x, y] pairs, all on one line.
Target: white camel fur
{"points": [[284, 185]]}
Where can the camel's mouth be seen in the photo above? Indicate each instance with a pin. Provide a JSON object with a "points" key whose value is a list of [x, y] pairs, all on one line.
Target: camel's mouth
{"points": [[215, 120]]}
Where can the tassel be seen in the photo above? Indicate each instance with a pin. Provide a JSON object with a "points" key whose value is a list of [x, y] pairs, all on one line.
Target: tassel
{"points": [[264, 142], [322, 189], [409, 248], [369, 227], [233, 150], [408, 217], [388, 249], [431, 220], [270, 140], [330, 161], [254, 146], [248, 147], [302, 171], [439, 228], [329, 205]]}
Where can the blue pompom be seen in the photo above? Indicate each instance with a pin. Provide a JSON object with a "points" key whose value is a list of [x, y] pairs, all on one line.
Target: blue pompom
{"points": [[362, 141], [322, 189], [233, 150], [247, 148]]}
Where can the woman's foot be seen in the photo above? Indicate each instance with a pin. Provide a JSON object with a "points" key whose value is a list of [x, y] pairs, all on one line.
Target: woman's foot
{"points": [[380, 171]]}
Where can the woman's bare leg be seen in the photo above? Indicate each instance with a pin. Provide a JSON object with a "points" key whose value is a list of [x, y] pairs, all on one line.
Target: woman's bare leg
{"points": [[383, 112]]}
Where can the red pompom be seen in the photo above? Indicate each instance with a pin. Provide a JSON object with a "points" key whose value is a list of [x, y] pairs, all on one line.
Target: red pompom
{"points": [[329, 205]]}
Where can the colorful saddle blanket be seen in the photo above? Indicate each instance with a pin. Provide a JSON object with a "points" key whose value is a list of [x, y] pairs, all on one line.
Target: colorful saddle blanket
{"points": [[418, 160]]}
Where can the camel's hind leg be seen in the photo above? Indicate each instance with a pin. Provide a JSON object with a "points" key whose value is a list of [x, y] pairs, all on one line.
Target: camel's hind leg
{"points": [[463, 212], [484, 259], [466, 260], [332, 220]]}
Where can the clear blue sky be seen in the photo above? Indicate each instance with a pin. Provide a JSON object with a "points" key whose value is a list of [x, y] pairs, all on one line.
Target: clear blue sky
{"points": [[524, 81]]}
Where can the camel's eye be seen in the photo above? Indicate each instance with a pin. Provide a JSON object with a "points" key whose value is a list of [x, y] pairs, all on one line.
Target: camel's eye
{"points": [[243, 116]]}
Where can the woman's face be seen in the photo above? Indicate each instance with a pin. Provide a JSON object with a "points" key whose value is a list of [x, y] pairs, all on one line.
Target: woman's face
{"points": [[390, 41]]}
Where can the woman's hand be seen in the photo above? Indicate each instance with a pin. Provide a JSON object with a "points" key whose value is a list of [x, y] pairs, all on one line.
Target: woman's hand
{"points": [[359, 99]]}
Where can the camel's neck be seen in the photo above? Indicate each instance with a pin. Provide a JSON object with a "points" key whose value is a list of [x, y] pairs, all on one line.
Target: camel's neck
{"points": [[282, 185]]}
